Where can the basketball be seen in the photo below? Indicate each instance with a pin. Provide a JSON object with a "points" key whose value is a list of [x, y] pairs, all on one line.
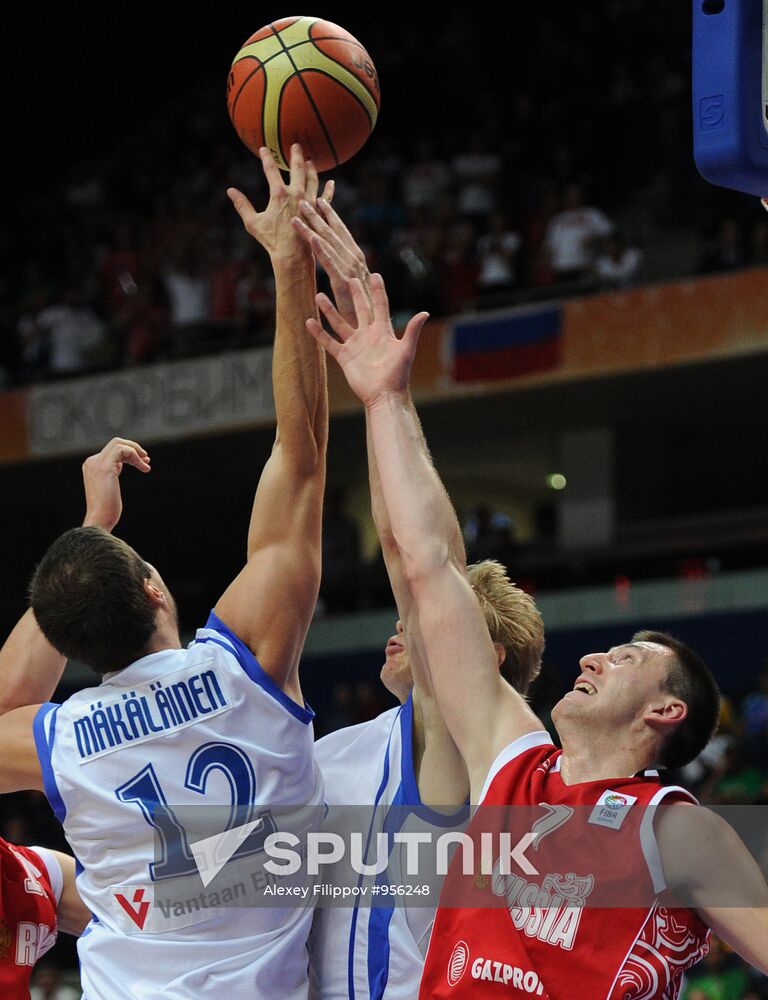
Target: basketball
{"points": [[302, 79]]}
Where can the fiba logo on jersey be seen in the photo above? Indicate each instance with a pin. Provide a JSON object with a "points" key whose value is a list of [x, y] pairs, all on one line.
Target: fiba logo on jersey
{"points": [[612, 809], [458, 962], [615, 801]]}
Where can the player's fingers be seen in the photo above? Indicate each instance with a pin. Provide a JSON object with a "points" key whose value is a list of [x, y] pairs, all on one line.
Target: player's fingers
{"points": [[329, 191], [312, 181], [117, 451], [413, 331], [243, 207], [324, 339], [314, 219], [303, 229], [271, 171], [130, 444], [379, 298], [344, 260], [130, 456], [298, 176], [764, 203], [331, 262], [321, 249], [339, 229], [362, 302], [338, 324]]}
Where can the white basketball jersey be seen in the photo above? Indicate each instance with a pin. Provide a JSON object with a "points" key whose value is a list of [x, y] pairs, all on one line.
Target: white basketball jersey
{"points": [[360, 952], [181, 728]]}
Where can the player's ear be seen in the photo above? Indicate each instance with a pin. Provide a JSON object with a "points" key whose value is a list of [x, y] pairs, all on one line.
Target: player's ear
{"points": [[154, 593], [669, 712], [501, 653]]}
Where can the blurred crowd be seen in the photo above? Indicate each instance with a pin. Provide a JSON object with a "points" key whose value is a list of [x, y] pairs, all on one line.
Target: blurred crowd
{"points": [[175, 284], [498, 195]]}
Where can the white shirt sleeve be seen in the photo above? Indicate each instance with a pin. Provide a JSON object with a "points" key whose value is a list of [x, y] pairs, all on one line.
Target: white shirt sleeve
{"points": [[53, 870]]}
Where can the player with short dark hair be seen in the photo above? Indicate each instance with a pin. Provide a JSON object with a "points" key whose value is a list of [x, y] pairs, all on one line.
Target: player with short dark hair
{"points": [[89, 599], [625, 709], [690, 679], [222, 723]]}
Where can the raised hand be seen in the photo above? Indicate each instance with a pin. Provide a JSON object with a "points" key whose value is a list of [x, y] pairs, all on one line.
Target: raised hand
{"points": [[272, 227], [335, 249], [101, 477], [374, 361]]}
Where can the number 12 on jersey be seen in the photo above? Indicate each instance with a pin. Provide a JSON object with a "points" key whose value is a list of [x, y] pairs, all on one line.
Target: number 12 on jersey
{"points": [[145, 790]]}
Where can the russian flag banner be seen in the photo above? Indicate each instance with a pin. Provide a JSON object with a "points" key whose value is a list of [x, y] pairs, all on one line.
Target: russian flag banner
{"points": [[506, 346]]}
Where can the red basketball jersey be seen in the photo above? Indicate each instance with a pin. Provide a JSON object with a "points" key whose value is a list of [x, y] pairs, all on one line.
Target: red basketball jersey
{"points": [[27, 917], [547, 935]]}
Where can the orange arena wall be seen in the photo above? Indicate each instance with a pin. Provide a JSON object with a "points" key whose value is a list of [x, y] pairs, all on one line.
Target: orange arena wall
{"points": [[644, 328]]}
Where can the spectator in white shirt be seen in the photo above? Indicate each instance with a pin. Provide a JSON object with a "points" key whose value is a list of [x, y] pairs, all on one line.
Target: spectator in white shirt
{"points": [[189, 299], [75, 335], [477, 173], [497, 250], [572, 235]]}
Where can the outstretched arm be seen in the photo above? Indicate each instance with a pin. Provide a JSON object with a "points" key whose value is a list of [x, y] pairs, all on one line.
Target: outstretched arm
{"points": [[440, 771], [441, 774], [30, 668], [483, 714], [271, 601]]}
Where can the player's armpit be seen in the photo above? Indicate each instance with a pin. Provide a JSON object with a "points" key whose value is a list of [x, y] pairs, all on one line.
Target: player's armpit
{"points": [[72, 915], [19, 763], [708, 867], [441, 774]]}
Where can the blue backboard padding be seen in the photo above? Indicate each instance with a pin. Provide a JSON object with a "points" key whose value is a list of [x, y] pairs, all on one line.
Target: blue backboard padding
{"points": [[730, 141]]}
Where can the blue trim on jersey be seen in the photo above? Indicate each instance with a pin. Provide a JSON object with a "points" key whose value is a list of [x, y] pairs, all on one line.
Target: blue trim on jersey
{"points": [[254, 669], [381, 916], [355, 911], [406, 799], [408, 783], [44, 747]]}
